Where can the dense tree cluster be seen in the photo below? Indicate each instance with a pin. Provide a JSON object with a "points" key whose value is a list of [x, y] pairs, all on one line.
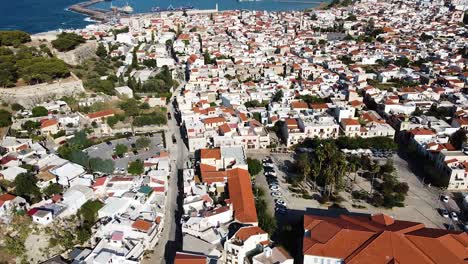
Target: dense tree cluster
{"points": [[160, 84], [384, 143], [458, 138], [256, 103], [136, 167], [326, 166], [255, 166], [101, 51], [142, 142], [67, 41], [312, 99], [265, 220], [39, 111], [31, 64], [88, 213], [13, 37], [120, 149], [278, 96], [25, 186], [5, 118], [73, 151]]}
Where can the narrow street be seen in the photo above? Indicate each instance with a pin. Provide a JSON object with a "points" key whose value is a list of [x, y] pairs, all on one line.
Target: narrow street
{"points": [[170, 240]]}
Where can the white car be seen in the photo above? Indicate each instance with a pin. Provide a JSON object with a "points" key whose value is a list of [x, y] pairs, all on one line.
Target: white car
{"points": [[454, 216], [276, 194], [274, 187], [445, 198]]}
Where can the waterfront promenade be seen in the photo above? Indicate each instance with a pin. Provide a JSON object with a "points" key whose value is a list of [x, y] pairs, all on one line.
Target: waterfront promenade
{"points": [[84, 8]]}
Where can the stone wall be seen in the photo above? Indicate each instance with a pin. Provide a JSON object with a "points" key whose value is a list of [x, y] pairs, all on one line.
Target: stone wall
{"points": [[79, 54], [31, 95]]}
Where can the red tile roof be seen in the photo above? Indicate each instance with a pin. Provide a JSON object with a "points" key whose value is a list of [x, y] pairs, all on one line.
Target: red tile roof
{"points": [[214, 120], [142, 225], [241, 195], [319, 106], [210, 153], [48, 123], [381, 239], [299, 105], [187, 258], [421, 132], [7, 159], [99, 182], [101, 114], [7, 197], [350, 122], [224, 128], [159, 189], [246, 232], [462, 121]]}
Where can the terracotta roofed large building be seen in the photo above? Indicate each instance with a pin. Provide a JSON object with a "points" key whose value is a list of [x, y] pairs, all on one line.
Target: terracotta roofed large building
{"points": [[379, 239], [241, 195]]}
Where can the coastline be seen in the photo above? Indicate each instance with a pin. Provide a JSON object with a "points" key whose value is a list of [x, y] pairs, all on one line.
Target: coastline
{"points": [[100, 15], [94, 14]]}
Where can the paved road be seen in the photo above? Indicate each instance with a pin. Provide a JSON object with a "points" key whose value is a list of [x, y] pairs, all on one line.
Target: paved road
{"points": [[423, 201], [170, 240]]}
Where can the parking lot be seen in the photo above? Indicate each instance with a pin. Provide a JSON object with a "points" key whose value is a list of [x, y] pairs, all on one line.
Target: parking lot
{"points": [[422, 204], [275, 174], [106, 150]]}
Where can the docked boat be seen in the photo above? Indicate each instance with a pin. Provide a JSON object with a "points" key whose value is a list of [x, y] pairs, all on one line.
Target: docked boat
{"points": [[127, 9]]}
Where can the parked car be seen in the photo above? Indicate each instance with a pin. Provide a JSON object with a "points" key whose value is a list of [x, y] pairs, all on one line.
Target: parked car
{"points": [[454, 216], [444, 213], [465, 226], [274, 187], [280, 202], [114, 157], [445, 198], [276, 194], [108, 143]]}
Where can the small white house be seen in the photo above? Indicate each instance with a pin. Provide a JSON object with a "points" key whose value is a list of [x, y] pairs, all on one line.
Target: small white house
{"points": [[11, 173], [42, 217]]}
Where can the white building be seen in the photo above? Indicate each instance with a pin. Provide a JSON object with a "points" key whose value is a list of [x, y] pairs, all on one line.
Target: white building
{"points": [[244, 241]]}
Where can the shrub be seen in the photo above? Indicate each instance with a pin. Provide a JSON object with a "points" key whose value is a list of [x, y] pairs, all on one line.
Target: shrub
{"points": [[13, 37], [39, 111], [5, 118], [67, 41], [255, 166]]}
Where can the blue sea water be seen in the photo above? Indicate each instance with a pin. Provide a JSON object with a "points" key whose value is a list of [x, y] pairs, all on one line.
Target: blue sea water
{"points": [[36, 16]]}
